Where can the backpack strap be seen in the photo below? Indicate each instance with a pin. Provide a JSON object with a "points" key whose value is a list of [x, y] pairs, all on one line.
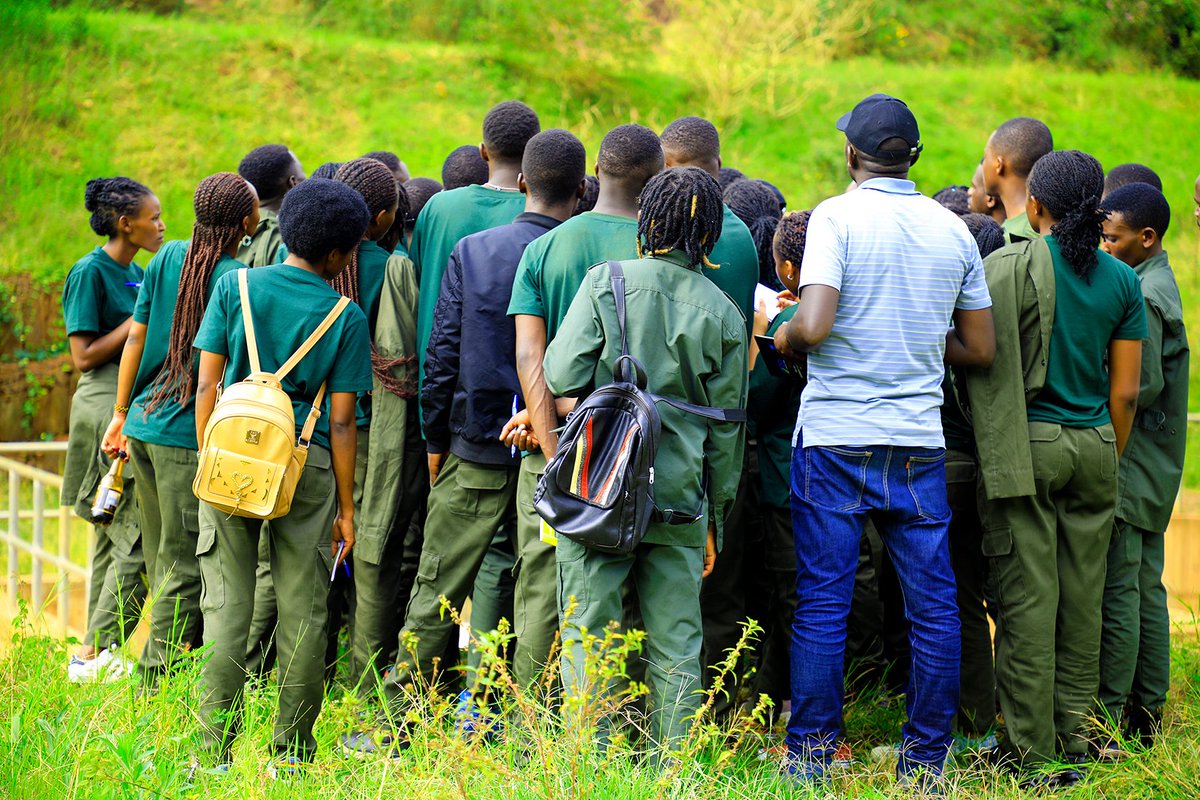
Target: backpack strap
{"points": [[247, 322], [313, 338], [617, 276]]}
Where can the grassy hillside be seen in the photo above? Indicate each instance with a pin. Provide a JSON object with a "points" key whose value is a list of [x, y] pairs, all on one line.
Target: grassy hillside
{"points": [[170, 99]]}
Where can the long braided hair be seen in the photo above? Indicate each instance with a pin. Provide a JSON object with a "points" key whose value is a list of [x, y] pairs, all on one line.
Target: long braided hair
{"points": [[221, 202], [680, 209], [757, 206], [377, 185], [109, 199], [1068, 184]]}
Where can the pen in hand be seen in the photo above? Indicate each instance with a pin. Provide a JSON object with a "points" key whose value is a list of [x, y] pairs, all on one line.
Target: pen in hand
{"points": [[338, 559]]}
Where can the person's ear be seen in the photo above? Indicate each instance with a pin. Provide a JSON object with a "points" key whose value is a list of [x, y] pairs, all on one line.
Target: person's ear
{"points": [[294, 180], [1034, 210], [522, 187], [990, 200], [1149, 237], [483, 151], [596, 170], [789, 269], [581, 192], [999, 166], [248, 225], [851, 157], [125, 225], [379, 217]]}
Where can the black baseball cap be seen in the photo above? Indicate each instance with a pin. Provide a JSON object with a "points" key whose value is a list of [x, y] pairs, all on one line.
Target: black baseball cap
{"points": [[875, 120]]}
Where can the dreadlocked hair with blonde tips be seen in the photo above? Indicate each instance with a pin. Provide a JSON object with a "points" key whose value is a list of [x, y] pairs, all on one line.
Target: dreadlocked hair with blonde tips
{"points": [[1068, 184], [377, 185], [680, 209], [221, 202], [791, 235]]}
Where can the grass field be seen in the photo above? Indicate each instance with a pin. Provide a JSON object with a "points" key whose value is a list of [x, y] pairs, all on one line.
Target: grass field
{"points": [[116, 741]]}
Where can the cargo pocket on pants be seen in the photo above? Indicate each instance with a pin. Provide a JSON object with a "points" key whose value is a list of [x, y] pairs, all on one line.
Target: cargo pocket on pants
{"points": [[1108, 452], [477, 491], [212, 578], [572, 582], [1010, 582]]}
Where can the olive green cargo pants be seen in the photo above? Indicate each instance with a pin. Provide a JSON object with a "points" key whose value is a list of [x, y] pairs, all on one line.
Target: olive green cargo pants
{"points": [[1048, 554]]}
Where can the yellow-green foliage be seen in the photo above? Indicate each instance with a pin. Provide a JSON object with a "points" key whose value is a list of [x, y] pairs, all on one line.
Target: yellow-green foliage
{"points": [[170, 99]]}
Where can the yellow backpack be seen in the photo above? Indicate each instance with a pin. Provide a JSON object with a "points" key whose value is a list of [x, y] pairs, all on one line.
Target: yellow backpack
{"points": [[250, 460]]}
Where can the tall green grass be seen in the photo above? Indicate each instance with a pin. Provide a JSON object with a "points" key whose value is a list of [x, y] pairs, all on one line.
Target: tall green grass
{"points": [[119, 741]]}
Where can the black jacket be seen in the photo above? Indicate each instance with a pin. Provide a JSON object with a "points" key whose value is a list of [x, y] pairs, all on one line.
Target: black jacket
{"points": [[471, 387]]}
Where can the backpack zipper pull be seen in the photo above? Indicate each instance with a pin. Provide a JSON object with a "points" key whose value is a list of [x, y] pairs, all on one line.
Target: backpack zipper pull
{"points": [[652, 476]]}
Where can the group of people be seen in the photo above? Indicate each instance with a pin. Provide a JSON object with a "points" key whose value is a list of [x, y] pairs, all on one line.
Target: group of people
{"points": [[985, 418]]}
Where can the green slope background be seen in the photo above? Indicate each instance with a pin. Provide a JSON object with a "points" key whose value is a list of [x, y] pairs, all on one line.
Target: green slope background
{"points": [[168, 91]]}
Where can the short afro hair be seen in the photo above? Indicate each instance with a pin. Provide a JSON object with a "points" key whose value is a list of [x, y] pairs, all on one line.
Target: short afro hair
{"points": [[464, 167], [1140, 205], [266, 168], [630, 152], [319, 216], [419, 190], [391, 161], [328, 169], [989, 236], [693, 139], [591, 194], [954, 198], [727, 176], [1022, 141], [507, 128], [554, 164], [1125, 174]]}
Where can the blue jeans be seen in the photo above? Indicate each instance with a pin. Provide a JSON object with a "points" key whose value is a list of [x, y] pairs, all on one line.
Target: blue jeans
{"points": [[903, 489]]}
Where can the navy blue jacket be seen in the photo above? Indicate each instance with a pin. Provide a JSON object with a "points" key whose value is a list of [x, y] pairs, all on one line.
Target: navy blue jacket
{"points": [[471, 385]]}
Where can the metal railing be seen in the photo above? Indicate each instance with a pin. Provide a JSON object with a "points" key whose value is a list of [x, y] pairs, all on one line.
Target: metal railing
{"points": [[34, 518]]}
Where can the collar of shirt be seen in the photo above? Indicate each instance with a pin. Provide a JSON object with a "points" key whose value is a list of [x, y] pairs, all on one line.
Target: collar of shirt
{"points": [[890, 185], [1151, 264], [679, 258], [541, 220]]}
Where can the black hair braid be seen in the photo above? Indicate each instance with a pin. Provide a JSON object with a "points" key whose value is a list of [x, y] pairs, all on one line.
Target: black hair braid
{"points": [[791, 235], [109, 199], [681, 209], [1068, 184], [757, 206], [377, 185], [221, 202]]}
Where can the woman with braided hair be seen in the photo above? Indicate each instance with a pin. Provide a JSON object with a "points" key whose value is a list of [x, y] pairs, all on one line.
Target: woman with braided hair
{"points": [[97, 300], [1047, 535], [756, 205], [691, 339], [155, 411]]}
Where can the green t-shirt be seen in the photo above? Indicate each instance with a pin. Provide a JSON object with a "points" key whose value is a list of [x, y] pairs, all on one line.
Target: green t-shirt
{"points": [[1088, 314], [171, 424], [446, 218], [1019, 229], [737, 257], [287, 304], [372, 267], [99, 294], [773, 407], [266, 245], [554, 264]]}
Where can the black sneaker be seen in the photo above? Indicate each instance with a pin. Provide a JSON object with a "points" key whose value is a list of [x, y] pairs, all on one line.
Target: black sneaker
{"points": [[378, 743]]}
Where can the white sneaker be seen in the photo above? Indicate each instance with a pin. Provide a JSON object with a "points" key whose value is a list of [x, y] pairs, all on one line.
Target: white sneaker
{"points": [[107, 666]]}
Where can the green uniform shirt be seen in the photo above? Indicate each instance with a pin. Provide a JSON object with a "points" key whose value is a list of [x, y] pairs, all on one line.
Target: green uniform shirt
{"points": [[737, 258], [372, 265], [1019, 229], [955, 427], [266, 245], [172, 424], [692, 341], [446, 218], [1087, 315], [1152, 465], [555, 264], [99, 294], [774, 405], [287, 304]]}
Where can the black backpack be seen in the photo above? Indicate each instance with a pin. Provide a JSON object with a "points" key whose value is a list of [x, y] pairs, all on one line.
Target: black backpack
{"points": [[598, 490]]}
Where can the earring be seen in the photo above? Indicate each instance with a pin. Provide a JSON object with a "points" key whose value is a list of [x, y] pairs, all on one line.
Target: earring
{"points": [[246, 240]]}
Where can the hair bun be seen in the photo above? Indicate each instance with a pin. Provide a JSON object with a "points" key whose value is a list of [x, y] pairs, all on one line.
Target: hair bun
{"points": [[91, 195]]}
